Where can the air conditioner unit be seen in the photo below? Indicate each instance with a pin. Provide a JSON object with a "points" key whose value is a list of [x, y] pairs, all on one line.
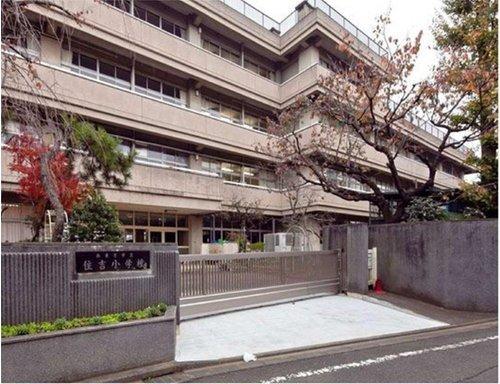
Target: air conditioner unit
{"points": [[284, 242]]}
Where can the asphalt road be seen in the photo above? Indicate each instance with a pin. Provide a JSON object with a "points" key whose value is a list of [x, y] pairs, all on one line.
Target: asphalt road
{"points": [[469, 356]]}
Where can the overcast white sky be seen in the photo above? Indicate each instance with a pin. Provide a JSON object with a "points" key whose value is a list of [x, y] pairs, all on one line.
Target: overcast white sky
{"points": [[408, 18]]}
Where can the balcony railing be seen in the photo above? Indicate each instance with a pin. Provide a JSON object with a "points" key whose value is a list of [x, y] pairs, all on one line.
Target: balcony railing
{"points": [[429, 128], [292, 19], [253, 13]]}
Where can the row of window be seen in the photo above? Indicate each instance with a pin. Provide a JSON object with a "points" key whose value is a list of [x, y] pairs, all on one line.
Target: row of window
{"points": [[150, 17], [235, 57], [152, 219], [222, 227], [156, 154], [238, 173], [346, 181], [99, 69], [114, 74], [221, 51], [160, 22], [234, 114]]}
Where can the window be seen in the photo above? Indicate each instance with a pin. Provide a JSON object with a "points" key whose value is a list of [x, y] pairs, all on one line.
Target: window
{"points": [[156, 219], [126, 217], [154, 85], [231, 113], [255, 121], [140, 13], [211, 106], [231, 56], [210, 165], [172, 28], [153, 18], [221, 51], [250, 176], [171, 91], [105, 71], [141, 218], [156, 154], [169, 220], [158, 89], [218, 109], [447, 168], [88, 62], [141, 236], [124, 5], [125, 146], [141, 81], [182, 221], [259, 69], [231, 172], [123, 74], [141, 151]]}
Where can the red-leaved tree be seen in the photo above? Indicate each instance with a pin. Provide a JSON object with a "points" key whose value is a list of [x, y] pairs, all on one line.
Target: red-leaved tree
{"points": [[26, 154]]}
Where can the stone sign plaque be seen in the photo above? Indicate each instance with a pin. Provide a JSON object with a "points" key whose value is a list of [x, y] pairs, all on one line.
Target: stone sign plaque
{"points": [[112, 261]]}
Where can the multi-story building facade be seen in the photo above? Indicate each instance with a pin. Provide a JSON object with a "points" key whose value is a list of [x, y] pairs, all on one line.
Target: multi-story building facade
{"points": [[188, 84]]}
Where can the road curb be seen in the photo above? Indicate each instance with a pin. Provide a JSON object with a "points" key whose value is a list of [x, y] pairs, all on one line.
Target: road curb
{"points": [[178, 373]]}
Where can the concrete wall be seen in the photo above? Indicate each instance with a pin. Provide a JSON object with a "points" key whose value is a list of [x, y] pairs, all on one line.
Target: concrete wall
{"points": [[80, 353], [39, 282], [352, 240], [451, 264]]}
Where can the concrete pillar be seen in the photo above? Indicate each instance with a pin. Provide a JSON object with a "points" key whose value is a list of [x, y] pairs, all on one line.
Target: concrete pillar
{"points": [[352, 240], [193, 98], [132, 74], [50, 50], [195, 234], [309, 56], [195, 162], [303, 9], [194, 35]]}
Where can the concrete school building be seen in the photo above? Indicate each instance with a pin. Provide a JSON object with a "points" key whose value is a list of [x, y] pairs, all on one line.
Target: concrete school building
{"points": [[188, 84]]}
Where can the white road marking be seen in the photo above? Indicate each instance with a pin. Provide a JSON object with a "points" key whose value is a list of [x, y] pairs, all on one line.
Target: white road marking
{"points": [[377, 360]]}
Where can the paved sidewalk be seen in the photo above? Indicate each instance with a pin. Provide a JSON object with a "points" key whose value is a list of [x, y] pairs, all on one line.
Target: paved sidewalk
{"points": [[449, 316], [292, 325]]}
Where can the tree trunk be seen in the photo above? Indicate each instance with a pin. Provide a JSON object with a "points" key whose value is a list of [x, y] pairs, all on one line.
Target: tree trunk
{"points": [[51, 190], [397, 216]]}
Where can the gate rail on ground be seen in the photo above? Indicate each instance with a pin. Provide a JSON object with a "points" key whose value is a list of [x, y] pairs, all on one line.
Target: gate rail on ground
{"points": [[213, 283]]}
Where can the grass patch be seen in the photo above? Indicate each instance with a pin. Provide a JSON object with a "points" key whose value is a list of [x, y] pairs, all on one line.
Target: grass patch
{"points": [[62, 323]]}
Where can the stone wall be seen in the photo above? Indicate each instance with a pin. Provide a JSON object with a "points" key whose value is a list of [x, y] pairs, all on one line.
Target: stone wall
{"points": [[40, 282], [453, 264]]}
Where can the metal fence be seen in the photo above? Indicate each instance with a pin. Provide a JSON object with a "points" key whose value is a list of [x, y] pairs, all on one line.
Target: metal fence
{"points": [[212, 274]]}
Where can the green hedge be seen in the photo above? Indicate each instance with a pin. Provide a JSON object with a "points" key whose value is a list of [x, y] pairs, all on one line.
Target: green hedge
{"points": [[62, 323]]}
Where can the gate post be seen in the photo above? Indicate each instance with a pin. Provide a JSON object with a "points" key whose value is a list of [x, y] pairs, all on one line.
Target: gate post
{"points": [[352, 241]]}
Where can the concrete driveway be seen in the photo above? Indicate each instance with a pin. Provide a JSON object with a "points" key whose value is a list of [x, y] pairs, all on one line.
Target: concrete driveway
{"points": [[293, 325]]}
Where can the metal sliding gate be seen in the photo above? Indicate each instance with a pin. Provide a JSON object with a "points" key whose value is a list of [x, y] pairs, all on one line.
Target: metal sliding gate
{"points": [[217, 283]]}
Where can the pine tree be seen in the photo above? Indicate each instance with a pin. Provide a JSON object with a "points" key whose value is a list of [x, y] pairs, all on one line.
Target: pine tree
{"points": [[94, 220]]}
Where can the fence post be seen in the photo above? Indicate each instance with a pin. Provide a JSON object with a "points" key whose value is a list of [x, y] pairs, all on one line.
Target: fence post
{"points": [[203, 290], [282, 270]]}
